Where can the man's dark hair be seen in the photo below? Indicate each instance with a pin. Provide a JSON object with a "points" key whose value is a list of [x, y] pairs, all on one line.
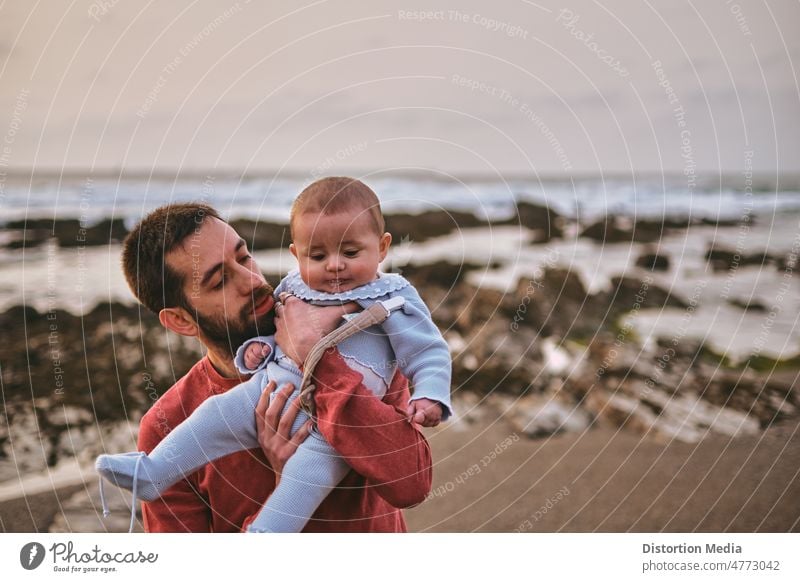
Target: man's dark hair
{"points": [[144, 250]]}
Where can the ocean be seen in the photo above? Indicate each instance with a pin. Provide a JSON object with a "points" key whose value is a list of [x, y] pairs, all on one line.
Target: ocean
{"points": [[93, 199]]}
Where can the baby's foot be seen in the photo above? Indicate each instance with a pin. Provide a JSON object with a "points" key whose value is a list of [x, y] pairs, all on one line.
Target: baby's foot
{"points": [[125, 469]]}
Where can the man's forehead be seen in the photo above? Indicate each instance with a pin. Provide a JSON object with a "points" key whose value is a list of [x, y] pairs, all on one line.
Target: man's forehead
{"points": [[207, 244]]}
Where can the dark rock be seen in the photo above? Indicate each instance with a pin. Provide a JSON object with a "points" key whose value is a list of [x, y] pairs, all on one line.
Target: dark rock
{"points": [[667, 416], [727, 222], [27, 238], [767, 401], [415, 227], [670, 222], [544, 220], [611, 229], [34, 224], [262, 235], [653, 262], [68, 232], [618, 355], [748, 306], [103, 233], [96, 362], [558, 303], [567, 284], [603, 310], [470, 308], [614, 229], [419, 227], [605, 231], [787, 262], [555, 304], [626, 291], [687, 348], [441, 273], [490, 378], [723, 259], [496, 359], [657, 229]]}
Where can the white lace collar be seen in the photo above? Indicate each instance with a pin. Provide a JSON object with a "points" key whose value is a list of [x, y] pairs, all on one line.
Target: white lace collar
{"points": [[385, 283]]}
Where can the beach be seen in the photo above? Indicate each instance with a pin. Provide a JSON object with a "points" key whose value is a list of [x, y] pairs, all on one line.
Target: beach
{"points": [[615, 367], [602, 480], [608, 480]]}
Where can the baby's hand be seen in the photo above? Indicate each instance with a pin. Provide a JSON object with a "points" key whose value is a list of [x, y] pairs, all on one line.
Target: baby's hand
{"points": [[425, 412], [254, 354]]}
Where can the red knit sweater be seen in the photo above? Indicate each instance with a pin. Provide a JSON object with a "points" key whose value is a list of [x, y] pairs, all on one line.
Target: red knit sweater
{"points": [[391, 459]]}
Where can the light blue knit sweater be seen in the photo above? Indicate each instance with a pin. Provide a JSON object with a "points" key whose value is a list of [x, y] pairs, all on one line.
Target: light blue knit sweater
{"points": [[408, 340]]}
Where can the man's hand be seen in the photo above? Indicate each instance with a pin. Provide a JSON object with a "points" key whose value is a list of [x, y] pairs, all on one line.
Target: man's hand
{"points": [[301, 325], [274, 429], [424, 412]]}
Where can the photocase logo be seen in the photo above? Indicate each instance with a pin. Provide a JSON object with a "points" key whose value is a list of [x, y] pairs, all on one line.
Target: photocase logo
{"points": [[31, 555]]}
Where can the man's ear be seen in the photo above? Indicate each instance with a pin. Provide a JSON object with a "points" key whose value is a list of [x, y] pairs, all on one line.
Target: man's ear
{"points": [[179, 320], [293, 250], [386, 240]]}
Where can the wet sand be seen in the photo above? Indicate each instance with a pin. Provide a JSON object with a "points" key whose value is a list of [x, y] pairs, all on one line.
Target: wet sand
{"points": [[601, 480], [34, 513], [605, 480]]}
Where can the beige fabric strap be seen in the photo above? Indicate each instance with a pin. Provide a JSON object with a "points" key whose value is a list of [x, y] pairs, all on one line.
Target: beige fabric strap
{"points": [[373, 315]]}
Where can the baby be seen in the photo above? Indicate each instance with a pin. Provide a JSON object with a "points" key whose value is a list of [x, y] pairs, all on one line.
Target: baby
{"points": [[339, 241]]}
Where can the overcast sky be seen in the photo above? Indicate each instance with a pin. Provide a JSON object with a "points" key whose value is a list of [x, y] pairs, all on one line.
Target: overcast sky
{"points": [[453, 87]]}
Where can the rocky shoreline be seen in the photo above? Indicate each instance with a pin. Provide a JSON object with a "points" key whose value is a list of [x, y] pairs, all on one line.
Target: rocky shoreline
{"points": [[544, 222], [67, 376], [550, 354]]}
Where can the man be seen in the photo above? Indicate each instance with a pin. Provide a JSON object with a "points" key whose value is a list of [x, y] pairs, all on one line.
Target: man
{"points": [[186, 264]]}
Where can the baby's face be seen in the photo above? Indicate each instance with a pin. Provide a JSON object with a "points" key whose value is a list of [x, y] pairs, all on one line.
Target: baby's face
{"points": [[338, 252]]}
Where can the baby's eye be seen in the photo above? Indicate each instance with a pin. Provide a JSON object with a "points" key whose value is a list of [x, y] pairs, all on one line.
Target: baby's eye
{"points": [[351, 253], [317, 257]]}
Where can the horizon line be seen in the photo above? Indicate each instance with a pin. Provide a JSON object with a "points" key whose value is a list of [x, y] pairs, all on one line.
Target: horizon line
{"points": [[430, 174]]}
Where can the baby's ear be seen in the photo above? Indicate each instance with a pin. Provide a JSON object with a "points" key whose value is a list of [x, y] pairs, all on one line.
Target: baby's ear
{"points": [[386, 240], [293, 250]]}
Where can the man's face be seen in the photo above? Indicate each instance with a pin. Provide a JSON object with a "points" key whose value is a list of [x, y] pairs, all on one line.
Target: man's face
{"points": [[229, 297]]}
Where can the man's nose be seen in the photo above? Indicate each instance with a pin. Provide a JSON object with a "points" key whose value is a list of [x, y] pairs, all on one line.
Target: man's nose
{"points": [[253, 279]]}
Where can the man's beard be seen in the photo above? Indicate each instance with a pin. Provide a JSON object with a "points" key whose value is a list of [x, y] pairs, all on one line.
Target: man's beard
{"points": [[228, 335]]}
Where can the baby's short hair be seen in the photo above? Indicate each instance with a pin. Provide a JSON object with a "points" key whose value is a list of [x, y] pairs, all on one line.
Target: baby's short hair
{"points": [[338, 194]]}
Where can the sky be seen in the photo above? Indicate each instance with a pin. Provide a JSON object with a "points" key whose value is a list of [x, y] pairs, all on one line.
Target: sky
{"points": [[443, 88]]}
